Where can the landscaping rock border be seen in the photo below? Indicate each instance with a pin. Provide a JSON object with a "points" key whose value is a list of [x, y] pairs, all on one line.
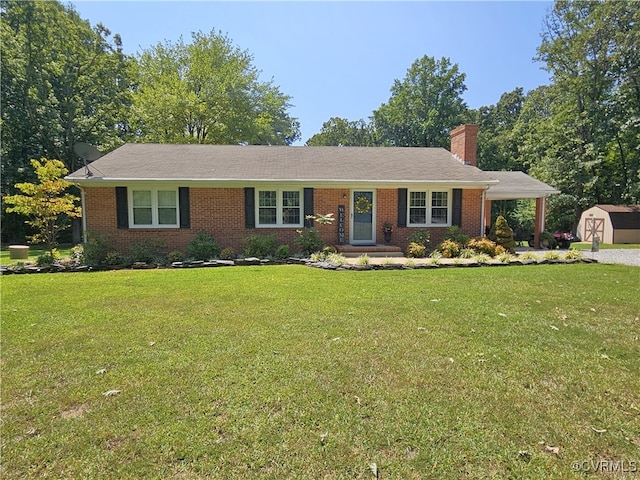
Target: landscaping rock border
{"points": [[29, 268]]}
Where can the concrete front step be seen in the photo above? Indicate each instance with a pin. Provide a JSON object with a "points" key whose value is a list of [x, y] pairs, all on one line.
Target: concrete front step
{"points": [[351, 251]]}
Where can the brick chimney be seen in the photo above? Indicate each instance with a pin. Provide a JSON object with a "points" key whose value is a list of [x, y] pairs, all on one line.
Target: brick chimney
{"points": [[464, 143]]}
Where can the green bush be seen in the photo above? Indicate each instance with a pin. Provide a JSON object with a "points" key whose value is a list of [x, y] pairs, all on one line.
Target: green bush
{"points": [[260, 245], [227, 253], [96, 249], [422, 237], [455, 233], [282, 252], [48, 258], [308, 241], [148, 251], [202, 247], [416, 250], [175, 256], [114, 258]]}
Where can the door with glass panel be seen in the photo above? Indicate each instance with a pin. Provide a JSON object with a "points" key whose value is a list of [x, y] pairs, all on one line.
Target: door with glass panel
{"points": [[362, 218]]}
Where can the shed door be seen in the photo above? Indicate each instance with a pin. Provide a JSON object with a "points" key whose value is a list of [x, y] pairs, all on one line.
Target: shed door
{"points": [[593, 226]]}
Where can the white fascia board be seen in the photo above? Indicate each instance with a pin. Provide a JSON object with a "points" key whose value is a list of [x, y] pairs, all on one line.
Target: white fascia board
{"points": [[225, 183]]}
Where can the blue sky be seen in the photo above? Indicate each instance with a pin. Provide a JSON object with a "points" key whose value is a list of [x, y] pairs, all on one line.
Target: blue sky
{"points": [[340, 59]]}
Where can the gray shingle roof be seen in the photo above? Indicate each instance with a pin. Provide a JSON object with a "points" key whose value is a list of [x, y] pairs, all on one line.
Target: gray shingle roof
{"points": [[276, 163], [514, 185]]}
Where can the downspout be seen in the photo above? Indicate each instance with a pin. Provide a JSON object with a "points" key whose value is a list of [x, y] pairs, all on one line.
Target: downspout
{"points": [[84, 218], [482, 211]]}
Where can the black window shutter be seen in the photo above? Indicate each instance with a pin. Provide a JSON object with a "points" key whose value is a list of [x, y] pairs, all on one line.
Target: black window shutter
{"points": [[456, 204], [402, 207], [185, 209], [249, 207], [122, 208], [308, 206]]}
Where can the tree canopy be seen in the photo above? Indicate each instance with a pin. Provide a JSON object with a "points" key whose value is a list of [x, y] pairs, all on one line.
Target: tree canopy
{"points": [[208, 91]]}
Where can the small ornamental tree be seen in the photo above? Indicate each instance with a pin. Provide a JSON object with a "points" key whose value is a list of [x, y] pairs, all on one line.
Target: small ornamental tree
{"points": [[46, 204], [502, 234]]}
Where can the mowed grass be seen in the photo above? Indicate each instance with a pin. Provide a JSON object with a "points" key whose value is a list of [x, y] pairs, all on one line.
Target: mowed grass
{"points": [[293, 372]]}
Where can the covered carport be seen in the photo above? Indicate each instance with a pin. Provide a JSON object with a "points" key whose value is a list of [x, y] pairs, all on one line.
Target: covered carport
{"points": [[517, 186]]}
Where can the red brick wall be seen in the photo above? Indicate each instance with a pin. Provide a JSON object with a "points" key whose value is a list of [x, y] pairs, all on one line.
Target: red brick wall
{"points": [[220, 212]]}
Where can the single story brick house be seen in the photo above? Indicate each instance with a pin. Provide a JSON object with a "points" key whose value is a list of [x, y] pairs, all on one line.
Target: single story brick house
{"points": [[171, 192]]}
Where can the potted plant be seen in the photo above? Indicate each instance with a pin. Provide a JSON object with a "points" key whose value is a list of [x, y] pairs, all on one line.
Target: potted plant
{"points": [[387, 230]]}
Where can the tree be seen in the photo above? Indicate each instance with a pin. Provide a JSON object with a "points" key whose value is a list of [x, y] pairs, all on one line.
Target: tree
{"points": [[591, 50], [61, 82], [424, 106], [208, 91], [46, 204], [342, 132]]}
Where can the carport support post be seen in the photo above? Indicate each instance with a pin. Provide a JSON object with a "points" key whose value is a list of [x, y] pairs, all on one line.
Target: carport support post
{"points": [[487, 217], [541, 204]]}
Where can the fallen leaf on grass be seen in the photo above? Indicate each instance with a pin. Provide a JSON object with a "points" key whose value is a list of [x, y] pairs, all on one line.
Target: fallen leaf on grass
{"points": [[111, 393], [102, 371], [374, 469], [503, 314], [451, 360], [151, 344], [592, 309], [357, 399], [554, 327], [550, 449], [336, 339], [605, 356], [597, 430], [421, 329], [435, 299]]}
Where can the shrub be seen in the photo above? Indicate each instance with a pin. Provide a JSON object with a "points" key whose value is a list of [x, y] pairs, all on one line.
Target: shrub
{"points": [[282, 252], [416, 250], [449, 249], [467, 253], [502, 234], [175, 256], [455, 233], [113, 258], [547, 240], [77, 253], [308, 241], [573, 255], [96, 249], [260, 245], [48, 258], [337, 258], [421, 237], [227, 253], [202, 247], [363, 260], [483, 245], [435, 257], [148, 251]]}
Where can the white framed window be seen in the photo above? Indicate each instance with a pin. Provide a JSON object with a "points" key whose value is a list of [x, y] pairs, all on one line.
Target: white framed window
{"points": [[429, 208], [153, 208], [279, 208]]}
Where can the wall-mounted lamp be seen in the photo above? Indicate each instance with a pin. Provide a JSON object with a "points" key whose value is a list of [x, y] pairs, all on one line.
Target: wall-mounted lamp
{"points": [[344, 195]]}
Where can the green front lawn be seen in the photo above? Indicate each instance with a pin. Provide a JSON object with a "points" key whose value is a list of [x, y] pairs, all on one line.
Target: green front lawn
{"points": [[293, 372], [34, 252]]}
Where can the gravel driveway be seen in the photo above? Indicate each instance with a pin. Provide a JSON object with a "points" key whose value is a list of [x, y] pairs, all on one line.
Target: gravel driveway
{"points": [[625, 257]]}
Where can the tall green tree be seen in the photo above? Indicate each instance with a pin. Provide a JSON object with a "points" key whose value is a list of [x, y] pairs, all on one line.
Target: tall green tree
{"points": [[590, 48], [342, 132], [424, 106], [497, 145], [62, 82], [208, 91]]}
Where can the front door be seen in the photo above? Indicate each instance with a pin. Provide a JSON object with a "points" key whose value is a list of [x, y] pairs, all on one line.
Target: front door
{"points": [[363, 231]]}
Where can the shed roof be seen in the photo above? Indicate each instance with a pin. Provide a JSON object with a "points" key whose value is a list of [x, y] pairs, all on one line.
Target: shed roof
{"points": [[185, 162], [516, 185], [623, 217]]}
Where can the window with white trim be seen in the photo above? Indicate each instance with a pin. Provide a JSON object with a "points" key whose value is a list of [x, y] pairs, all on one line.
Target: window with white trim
{"points": [[279, 208], [154, 208], [429, 208]]}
